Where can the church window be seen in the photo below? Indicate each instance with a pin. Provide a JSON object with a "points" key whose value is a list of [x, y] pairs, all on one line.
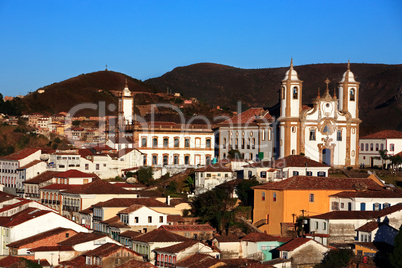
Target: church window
{"points": [[155, 142], [165, 142], [295, 93], [294, 129], [352, 94], [312, 134], [326, 130], [144, 142], [283, 92], [339, 135]]}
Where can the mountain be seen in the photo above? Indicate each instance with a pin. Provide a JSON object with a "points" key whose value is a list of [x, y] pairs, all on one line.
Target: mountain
{"points": [[380, 87], [85, 88]]}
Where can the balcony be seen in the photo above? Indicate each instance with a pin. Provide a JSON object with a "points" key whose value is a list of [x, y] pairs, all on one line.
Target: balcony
{"points": [[96, 218], [70, 208]]}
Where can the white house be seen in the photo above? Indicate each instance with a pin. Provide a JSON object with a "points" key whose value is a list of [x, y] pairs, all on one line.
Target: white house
{"points": [[142, 218], [210, 176], [29, 222], [229, 245], [292, 165], [374, 231], [370, 145]]}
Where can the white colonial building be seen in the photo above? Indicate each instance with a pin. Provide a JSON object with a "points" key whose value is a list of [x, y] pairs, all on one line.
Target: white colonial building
{"points": [[328, 132], [371, 145]]}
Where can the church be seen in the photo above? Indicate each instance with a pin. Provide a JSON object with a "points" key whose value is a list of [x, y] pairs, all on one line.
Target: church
{"points": [[328, 132]]}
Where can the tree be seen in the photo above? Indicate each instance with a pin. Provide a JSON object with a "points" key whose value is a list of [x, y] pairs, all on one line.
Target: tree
{"points": [[337, 258], [396, 160], [244, 191], [189, 184], [396, 255], [145, 175], [234, 154], [384, 157]]}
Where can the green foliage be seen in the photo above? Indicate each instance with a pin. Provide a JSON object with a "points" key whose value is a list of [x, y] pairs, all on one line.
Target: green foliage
{"points": [[336, 259], [129, 174], [76, 123], [244, 191], [171, 188], [145, 175], [396, 256], [234, 154], [213, 207], [6, 150], [31, 264], [189, 184]]}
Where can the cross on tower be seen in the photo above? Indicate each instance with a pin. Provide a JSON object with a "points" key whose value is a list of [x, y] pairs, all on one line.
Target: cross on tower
{"points": [[327, 82]]}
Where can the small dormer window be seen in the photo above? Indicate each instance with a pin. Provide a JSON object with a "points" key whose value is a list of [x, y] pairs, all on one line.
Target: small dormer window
{"points": [[352, 94], [295, 93]]}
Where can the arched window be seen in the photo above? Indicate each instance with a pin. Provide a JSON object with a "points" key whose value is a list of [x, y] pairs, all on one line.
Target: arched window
{"points": [[352, 94], [283, 92], [377, 147], [371, 147], [295, 93], [366, 146], [362, 146], [224, 143]]}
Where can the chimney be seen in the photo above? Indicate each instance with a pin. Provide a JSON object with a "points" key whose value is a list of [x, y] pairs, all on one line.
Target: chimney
{"points": [[168, 200]]}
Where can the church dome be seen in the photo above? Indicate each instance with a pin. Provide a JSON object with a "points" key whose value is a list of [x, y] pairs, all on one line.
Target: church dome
{"points": [[291, 74], [348, 74]]}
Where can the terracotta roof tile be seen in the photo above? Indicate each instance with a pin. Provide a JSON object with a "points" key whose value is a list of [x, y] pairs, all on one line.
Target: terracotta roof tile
{"points": [[385, 134], [130, 209], [126, 202], [21, 217], [259, 237], [289, 161], [43, 177], [38, 237], [214, 168], [368, 227], [78, 261], [293, 244], [106, 249], [359, 214], [178, 247], [175, 218], [318, 183], [31, 164], [130, 234], [136, 264], [391, 193], [115, 222], [81, 238], [20, 203], [250, 116], [98, 187], [52, 248], [9, 260], [57, 186], [73, 173], [227, 238], [193, 259], [160, 235], [20, 154], [188, 227]]}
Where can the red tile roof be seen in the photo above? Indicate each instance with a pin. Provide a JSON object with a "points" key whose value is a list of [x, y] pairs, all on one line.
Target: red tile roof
{"points": [[385, 134], [106, 249], [338, 215], [20, 203], [130, 209], [73, 173], [31, 164], [293, 244], [227, 238], [194, 259], [78, 261], [175, 218], [391, 193], [9, 260], [38, 237], [318, 183], [368, 227], [126, 202], [188, 227], [289, 161], [43, 177], [178, 247], [20, 154], [129, 185], [52, 248], [21, 217], [160, 235], [136, 264], [250, 116], [81, 238], [98, 187], [130, 234], [57, 186], [115, 222], [214, 168], [84, 152], [259, 237]]}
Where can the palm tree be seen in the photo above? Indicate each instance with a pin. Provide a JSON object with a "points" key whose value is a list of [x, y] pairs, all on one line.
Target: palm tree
{"points": [[384, 156]]}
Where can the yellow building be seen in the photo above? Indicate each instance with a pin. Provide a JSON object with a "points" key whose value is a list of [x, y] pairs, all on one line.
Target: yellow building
{"points": [[278, 204]]}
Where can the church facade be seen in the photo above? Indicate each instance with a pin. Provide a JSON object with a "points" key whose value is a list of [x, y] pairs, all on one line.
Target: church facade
{"points": [[328, 132]]}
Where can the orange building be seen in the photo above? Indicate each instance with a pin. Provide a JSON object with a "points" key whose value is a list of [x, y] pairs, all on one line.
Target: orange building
{"points": [[278, 204]]}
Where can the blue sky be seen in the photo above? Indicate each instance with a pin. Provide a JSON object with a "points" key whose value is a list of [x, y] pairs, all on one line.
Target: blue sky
{"points": [[43, 42]]}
